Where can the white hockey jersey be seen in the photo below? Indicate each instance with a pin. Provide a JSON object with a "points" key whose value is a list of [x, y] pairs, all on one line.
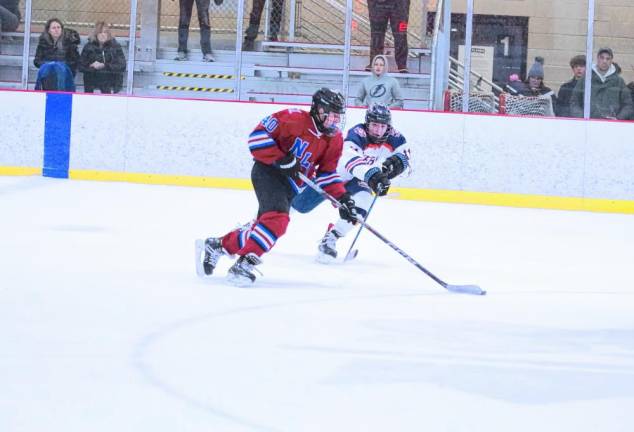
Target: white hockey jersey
{"points": [[360, 155]]}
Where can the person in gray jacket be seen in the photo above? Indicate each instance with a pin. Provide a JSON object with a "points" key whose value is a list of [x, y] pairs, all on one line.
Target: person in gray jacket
{"points": [[609, 96], [379, 88]]}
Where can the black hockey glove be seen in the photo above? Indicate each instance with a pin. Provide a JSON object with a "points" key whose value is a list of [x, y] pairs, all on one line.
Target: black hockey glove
{"points": [[289, 165], [393, 166], [347, 211], [378, 182]]}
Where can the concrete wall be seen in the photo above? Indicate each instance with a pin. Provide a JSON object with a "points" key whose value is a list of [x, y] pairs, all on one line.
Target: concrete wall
{"points": [[456, 157]]}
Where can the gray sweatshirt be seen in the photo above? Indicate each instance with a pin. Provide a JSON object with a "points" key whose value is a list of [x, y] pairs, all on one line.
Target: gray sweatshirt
{"points": [[379, 89]]}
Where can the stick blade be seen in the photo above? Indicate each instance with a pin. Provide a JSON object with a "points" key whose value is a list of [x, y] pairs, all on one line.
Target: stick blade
{"points": [[351, 255], [466, 289]]}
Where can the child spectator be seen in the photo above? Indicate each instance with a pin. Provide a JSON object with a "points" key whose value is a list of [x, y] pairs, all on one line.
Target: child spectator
{"points": [[57, 57], [379, 88], [102, 61]]}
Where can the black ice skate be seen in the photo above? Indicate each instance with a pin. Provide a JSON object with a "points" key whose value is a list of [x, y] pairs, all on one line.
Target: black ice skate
{"points": [[328, 246], [241, 273], [208, 252]]}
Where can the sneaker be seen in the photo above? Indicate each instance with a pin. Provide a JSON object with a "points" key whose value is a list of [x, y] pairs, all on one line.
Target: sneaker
{"points": [[241, 272], [368, 68], [181, 56], [208, 253], [208, 58], [403, 70], [328, 246], [248, 45]]}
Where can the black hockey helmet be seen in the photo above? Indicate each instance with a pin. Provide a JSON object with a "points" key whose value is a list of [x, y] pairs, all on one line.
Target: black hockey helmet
{"points": [[378, 113], [326, 101]]}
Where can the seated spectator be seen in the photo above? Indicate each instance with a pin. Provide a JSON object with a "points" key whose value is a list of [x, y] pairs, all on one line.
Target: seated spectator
{"points": [[610, 98], [102, 61], [57, 57], [379, 88], [9, 15], [578, 66]]}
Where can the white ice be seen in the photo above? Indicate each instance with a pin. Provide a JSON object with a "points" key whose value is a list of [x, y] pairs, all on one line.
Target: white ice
{"points": [[104, 325]]}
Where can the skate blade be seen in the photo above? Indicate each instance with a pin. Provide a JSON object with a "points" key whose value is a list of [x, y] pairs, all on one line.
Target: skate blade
{"points": [[239, 281], [325, 259], [200, 249]]}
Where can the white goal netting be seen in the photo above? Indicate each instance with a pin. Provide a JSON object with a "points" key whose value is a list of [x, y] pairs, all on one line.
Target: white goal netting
{"points": [[504, 104]]}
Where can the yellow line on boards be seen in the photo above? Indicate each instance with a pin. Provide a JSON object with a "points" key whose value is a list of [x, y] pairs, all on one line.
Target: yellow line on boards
{"points": [[19, 171], [447, 196], [161, 179]]}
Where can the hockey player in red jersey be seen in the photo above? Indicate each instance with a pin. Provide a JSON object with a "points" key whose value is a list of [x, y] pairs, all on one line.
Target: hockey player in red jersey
{"points": [[282, 145]]}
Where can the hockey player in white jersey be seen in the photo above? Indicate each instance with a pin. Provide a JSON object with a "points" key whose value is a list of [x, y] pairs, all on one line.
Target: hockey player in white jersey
{"points": [[373, 154]]}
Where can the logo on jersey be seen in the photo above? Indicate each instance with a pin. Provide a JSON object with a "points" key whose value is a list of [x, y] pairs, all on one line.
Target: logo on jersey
{"points": [[299, 148], [378, 91]]}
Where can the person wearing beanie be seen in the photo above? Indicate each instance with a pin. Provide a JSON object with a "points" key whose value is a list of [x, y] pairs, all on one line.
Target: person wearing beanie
{"points": [[609, 96], [578, 66], [379, 88], [534, 84]]}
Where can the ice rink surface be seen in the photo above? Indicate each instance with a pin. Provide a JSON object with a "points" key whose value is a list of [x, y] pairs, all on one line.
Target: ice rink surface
{"points": [[104, 325]]}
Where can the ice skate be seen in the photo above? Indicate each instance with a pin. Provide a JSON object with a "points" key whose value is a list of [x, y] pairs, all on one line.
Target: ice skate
{"points": [[208, 252], [241, 272], [328, 246]]}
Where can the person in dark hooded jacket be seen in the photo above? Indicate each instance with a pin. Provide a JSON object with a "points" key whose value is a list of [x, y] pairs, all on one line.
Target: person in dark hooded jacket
{"points": [[57, 57], [609, 96], [57, 43], [102, 61]]}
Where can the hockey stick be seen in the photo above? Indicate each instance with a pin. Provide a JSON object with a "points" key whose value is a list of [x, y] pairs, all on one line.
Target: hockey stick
{"points": [[460, 289], [352, 254]]}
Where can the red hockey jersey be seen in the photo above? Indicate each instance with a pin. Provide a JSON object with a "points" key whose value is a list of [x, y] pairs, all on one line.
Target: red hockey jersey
{"points": [[293, 130]]}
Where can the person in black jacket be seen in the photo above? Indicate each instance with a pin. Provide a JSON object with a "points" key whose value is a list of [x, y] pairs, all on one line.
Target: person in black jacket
{"points": [[9, 15], [57, 57], [578, 65], [102, 61]]}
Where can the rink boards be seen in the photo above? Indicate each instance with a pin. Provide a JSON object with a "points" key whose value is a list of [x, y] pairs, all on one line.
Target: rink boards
{"points": [[480, 159]]}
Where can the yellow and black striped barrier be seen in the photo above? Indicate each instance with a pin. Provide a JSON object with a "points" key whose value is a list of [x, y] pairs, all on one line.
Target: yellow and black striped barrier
{"points": [[195, 89], [200, 75]]}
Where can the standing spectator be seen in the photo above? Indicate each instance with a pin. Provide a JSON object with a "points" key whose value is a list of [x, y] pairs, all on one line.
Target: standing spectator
{"points": [[282, 145], [631, 87], [379, 88], [9, 15], [254, 22], [185, 17], [578, 66], [609, 96], [397, 13], [57, 57], [102, 61]]}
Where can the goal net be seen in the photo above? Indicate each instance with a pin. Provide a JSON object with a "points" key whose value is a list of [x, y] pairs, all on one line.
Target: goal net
{"points": [[526, 105], [478, 102]]}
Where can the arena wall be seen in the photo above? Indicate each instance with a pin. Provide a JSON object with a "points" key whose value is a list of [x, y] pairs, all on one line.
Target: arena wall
{"points": [[480, 159]]}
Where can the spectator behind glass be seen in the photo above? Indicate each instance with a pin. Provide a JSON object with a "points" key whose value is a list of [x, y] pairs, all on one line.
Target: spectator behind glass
{"points": [[185, 17], [609, 96], [9, 15], [254, 22], [379, 88], [397, 13], [534, 84], [578, 66], [102, 61], [631, 87], [57, 57]]}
